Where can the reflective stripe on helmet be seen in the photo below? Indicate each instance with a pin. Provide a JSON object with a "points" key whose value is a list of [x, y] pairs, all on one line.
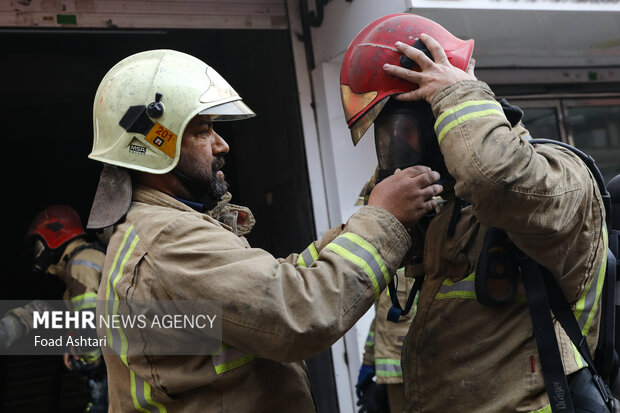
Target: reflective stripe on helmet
{"points": [[357, 250], [464, 112]]}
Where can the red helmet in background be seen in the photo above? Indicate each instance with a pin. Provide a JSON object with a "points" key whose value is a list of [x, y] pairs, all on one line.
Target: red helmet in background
{"points": [[56, 225], [365, 87]]}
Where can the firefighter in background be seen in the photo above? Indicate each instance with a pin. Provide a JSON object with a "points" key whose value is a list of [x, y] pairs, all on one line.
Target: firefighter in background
{"points": [[57, 245], [382, 353], [384, 343], [177, 236], [461, 353]]}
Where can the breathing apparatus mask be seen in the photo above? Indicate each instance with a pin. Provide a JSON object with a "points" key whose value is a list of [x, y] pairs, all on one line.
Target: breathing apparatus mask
{"points": [[404, 137]]}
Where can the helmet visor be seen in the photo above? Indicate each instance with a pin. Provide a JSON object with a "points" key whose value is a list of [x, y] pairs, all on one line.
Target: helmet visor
{"points": [[363, 123], [234, 110]]}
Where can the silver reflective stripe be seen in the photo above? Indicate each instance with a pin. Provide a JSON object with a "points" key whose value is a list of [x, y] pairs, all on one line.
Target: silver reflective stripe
{"points": [[86, 263], [388, 368], [115, 274], [308, 256], [364, 255], [83, 301], [141, 395], [460, 286], [464, 112], [586, 306], [370, 340], [230, 358]]}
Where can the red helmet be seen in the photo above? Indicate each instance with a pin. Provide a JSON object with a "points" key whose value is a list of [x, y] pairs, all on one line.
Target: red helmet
{"points": [[365, 87], [56, 225]]}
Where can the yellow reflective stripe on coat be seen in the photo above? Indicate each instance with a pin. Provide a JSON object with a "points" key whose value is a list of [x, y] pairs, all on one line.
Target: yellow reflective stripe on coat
{"points": [[117, 339], [86, 300], [230, 358], [91, 356], [308, 256], [588, 302], [586, 306], [370, 339], [357, 250], [141, 395], [546, 409], [388, 368], [466, 288], [140, 390], [464, 112]]}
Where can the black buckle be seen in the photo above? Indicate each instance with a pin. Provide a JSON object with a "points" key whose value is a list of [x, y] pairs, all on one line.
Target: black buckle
{"points": [[603, 388]]}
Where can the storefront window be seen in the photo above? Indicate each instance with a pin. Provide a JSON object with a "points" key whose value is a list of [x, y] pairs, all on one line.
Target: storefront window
{"points": [[541, 122], [596, 131]]}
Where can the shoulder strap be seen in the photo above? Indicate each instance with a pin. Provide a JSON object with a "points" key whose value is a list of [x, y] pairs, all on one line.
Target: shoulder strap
{"points": [[544, 333], [544, 293]]}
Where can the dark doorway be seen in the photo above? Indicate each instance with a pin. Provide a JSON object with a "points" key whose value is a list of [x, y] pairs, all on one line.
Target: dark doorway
{"points": [[49, 79]]}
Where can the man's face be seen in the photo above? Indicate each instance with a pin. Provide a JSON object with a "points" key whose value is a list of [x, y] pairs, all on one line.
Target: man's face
{"points": [[202, 158]]}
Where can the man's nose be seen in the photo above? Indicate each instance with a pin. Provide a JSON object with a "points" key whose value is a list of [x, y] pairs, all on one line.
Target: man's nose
{"points": [[219, 145]]}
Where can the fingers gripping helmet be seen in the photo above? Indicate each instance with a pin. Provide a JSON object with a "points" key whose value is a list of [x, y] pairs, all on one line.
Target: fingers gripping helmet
{"points": [[365, 87], [141, 109], [49, 232], [145, 101]]}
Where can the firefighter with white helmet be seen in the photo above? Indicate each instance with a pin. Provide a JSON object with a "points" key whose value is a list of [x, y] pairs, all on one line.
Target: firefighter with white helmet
{"points": [[177, 237], [414, 80]]}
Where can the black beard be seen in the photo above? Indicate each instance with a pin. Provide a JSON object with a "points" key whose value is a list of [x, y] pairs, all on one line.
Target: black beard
{"points": [[208, 193]]}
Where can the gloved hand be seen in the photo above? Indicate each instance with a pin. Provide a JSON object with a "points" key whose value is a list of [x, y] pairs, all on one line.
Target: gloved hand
{"points": [[364, 378], [513, 113], [374, 399]]}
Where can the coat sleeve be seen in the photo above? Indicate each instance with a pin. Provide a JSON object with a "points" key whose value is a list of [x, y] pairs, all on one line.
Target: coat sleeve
{"points": [[282, 309], [540, 195]]}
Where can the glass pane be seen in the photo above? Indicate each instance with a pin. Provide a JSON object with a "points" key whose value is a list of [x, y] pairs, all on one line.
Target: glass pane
{"points": [[541, 122], [596, 131]]}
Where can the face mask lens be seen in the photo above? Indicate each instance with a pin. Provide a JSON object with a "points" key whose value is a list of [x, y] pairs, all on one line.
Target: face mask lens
{"points": [[37, 249], [397, 141]]}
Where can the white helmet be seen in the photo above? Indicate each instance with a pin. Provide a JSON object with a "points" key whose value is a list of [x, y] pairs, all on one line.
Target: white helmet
{"points": [[145, 101], [141, 109]]}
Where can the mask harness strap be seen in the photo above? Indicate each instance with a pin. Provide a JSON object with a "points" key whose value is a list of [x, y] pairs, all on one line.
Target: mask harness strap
{"points": [[396, 311]]}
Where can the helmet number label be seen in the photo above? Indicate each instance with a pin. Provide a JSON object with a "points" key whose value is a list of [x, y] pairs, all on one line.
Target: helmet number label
{"points": [[163, 139]]}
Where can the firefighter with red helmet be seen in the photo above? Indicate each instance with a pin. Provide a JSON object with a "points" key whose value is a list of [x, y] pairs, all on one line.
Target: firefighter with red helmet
{"points": [[56, 245], [414, 81]]}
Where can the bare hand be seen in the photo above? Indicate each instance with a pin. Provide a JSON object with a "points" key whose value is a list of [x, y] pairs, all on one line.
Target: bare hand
{"points": [[66, 358], [407, 194], [433, 75]]}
